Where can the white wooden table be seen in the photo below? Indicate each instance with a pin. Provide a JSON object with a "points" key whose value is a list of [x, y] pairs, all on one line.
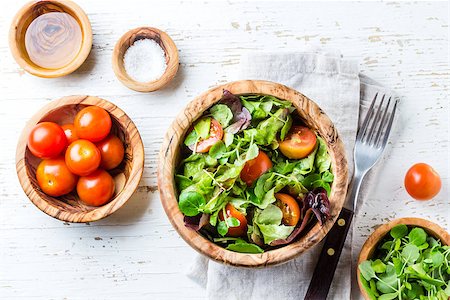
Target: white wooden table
{"points": [[135, 253]]}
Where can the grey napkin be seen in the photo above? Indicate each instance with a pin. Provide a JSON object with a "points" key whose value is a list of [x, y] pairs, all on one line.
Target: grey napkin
{"points": [[334, 84]]}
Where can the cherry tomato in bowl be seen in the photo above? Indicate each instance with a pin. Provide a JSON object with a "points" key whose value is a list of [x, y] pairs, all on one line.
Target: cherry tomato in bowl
{"points": [[54, 177], [71, 135], [82, 157], [92, 123], [254, 168], [289, 207], [215, 135], [299, 142], [96, 189], [112, 152], [422, 182], [47, 140], [232, 212]]}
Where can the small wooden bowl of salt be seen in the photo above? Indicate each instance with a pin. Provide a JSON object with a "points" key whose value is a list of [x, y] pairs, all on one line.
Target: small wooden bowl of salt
{"points": [[145, 59]]}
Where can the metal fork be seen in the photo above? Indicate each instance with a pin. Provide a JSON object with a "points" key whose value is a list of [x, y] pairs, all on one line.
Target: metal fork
{"points": [[370, 142]]}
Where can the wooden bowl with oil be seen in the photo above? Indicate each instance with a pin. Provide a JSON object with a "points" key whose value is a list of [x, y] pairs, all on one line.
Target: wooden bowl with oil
{"points": [[371, 244], [169, 158], [126, 176], [69, 22], [163, 40]]}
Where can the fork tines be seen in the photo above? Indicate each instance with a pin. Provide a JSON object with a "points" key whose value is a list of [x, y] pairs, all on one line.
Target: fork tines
{"points": [[378, 121]]}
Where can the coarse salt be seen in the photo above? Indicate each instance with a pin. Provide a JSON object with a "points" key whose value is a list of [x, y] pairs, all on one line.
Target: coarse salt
{"points": [[145, 61]]}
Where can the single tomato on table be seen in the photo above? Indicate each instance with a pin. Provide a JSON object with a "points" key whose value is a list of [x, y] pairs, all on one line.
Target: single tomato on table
{"points": [[47, 140], [422, 182], [232, 212], [54, 177], [71, 135], [112, 152], [299, 142], [96, 189], [289, 207], [254, 168], [210, 138], [82, 157], [92, 123]]}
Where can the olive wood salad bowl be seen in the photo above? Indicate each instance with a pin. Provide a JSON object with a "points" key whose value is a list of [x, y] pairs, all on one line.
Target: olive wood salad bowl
{"points": [[170, 156], [126, 176], [370, 246]]}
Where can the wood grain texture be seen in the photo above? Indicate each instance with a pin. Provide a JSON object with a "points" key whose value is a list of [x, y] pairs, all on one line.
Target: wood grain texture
{"points": [[169, 159], [403, 45], [27, 14], [127, 40], [371, 243], [69, 207]]}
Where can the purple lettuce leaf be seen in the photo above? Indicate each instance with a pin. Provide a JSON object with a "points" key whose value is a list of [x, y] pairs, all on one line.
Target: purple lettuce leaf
{"points": [[241, 116], [196, 222]]}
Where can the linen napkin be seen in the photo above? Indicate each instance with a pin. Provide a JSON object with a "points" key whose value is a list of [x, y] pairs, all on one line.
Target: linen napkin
{"points": [[334, 84]]}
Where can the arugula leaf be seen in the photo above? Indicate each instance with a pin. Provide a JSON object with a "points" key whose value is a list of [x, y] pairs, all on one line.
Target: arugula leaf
{"points": [[222, 114], [191, 203]]}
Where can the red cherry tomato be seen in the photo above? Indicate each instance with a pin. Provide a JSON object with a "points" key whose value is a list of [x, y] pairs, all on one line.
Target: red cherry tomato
{"points": [[54, 177], [96, 189], [289, 207], [215, 135], [82, 157], [232, 212], [254, 168], [112, 152], [71, 135], [299, 142], [422, 182], [47, 140], [92, 123]]}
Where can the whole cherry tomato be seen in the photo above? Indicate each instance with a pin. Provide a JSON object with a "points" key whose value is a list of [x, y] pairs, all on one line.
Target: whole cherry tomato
{"points": [[232, 212], [112, 151], [71, 135], [82, 157], [299, 142], [92, 123], [54, 177], [422, 182], [96, 189], [215, 135], [254, 168], [47, 140], [289, 207]]}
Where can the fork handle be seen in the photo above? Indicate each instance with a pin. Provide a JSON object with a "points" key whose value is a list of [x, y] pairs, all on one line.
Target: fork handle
{"points": [[329, 257]]}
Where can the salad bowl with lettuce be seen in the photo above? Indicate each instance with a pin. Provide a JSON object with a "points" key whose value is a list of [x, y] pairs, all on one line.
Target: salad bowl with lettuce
{"points": [[252, 173]]}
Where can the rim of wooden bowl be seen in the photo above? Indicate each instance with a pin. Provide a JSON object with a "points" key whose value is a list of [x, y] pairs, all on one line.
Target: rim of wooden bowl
{"points": [[21, 56], [169, 155], [101, 211], [166, 43], [372, 241]]}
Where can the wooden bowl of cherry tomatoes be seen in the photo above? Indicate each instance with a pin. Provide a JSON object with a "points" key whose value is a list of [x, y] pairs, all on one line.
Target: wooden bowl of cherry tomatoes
{"points": [[80, 158]]}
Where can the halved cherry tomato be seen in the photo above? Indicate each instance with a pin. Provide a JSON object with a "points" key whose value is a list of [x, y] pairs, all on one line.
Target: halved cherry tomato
{"points": [[422, 182], [71, 135], [215, 135], [96, 189], [112, 152], [254, 168], [54, 177], [82, 157], [232, 212], [299, 142], [92, 123], [289, 207], [47, 140]]}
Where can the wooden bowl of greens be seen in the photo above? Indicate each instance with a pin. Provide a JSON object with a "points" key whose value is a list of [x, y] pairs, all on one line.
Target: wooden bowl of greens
{"points": [[252, 173], [407, 258]]}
